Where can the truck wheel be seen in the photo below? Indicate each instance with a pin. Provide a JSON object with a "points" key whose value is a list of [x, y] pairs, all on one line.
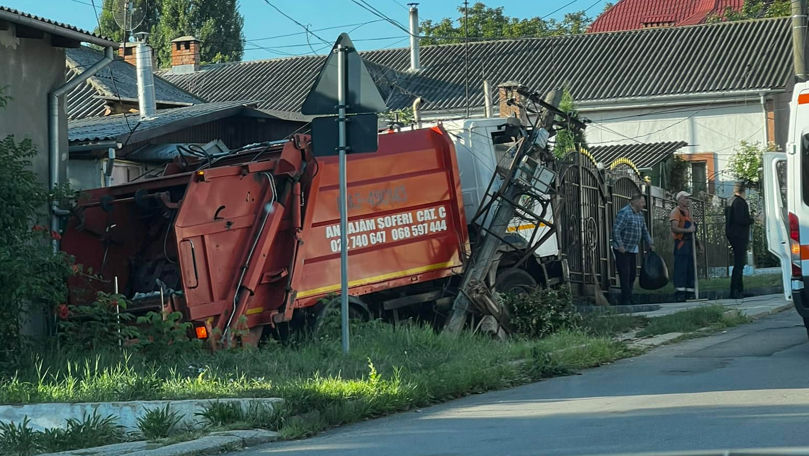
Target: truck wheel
{"points": [[806, 325], [328, 317], [514, 280]]}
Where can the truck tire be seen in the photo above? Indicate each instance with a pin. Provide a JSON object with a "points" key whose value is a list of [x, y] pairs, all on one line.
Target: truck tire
{"points": [[329, 314], [514, 280]]}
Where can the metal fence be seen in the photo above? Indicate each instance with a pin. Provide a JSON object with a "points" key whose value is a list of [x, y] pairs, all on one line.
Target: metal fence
{"points": [[713, 260]]}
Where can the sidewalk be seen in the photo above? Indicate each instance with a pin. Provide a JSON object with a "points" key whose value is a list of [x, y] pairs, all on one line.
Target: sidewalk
{"points": [[753, 307]]}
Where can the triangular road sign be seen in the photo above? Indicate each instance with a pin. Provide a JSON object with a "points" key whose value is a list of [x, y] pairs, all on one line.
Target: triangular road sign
{"points": [[362, 96]]}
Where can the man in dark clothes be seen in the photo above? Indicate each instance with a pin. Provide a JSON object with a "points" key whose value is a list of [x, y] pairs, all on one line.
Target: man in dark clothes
{"points": [[737, 230]]}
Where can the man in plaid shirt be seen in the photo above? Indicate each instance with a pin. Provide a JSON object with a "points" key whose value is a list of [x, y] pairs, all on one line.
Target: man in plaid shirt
{"points": [[626, 233]]}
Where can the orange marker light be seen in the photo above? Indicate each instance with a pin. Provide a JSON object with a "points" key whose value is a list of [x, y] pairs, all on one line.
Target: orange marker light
{"points": [[202, 332]]}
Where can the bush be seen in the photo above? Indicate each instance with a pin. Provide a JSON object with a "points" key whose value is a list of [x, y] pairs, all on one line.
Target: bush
{"points": [[33, 276], [541, 312], [100, 325], [162, 335]]}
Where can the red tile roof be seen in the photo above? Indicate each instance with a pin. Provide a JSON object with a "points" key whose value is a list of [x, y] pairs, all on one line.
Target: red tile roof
{"points": [[636, 14]]}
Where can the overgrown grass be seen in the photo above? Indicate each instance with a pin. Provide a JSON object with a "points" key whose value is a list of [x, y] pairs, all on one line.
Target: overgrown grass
{"points": [[611, 324], [388, 369], [92, 430], [712, 317]]}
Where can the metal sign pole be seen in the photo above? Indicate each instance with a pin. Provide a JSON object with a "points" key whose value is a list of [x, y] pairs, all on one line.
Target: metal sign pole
{"points": [[341, 146]]}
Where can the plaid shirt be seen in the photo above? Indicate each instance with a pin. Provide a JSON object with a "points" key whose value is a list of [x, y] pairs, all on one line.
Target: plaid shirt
{"points": [[628, 228]]}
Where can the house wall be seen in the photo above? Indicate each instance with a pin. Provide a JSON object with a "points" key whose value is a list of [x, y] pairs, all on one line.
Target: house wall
{"points": [[31, 69], [708, 128]]}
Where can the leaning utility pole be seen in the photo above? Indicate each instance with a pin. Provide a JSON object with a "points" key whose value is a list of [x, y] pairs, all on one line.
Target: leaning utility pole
{"points": [[483, 257]]}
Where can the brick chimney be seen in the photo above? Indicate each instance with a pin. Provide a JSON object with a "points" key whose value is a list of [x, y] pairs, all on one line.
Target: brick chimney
{"points": [[184, 54], [508, 91], [127, 51]]}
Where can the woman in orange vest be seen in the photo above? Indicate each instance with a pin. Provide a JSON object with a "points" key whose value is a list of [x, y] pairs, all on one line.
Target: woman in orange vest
{"points": [[683, 229]]}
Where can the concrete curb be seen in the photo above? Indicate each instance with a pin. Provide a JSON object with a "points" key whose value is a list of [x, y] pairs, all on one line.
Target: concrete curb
{"points": [[53, 415], [213, 443]]}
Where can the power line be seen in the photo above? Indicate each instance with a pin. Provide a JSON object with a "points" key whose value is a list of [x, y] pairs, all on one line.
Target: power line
{"points": [[559, 9], [364, 5], [293, 20], [317, 30]]}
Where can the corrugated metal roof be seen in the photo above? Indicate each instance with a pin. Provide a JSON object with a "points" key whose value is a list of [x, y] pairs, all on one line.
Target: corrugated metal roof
{"points": [[635, 14], [642, 155], [118, 79], [53, 27], [129, 128], [713, 58]]}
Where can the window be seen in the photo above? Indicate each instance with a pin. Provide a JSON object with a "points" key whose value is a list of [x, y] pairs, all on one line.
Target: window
{"points": [[699, 177]]}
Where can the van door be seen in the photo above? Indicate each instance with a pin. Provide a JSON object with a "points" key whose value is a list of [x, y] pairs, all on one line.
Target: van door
{"points": [[775, 211]]}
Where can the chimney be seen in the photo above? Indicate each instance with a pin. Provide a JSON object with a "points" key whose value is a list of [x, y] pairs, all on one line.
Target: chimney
{"points": [[414, 37], [799, 39], [127, 51], [184, 55], [508, 91], [146, 97]]}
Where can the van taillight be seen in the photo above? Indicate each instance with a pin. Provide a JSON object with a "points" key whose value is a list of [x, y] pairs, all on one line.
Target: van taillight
{"points": [[795, 244]]}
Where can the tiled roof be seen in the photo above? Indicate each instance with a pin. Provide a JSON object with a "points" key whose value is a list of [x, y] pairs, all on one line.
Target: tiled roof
{"points": [[118, 79], [704, 59], [53, 27], [643, 155], [129, 128], [635, 14]]}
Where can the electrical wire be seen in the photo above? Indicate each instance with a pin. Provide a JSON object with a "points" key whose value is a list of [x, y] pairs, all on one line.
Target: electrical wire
{"points": [[309, 32], [368, 7]]}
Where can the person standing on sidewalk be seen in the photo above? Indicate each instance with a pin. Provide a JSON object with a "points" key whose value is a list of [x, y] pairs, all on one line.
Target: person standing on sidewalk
{"points": [[627, 231], [683, 230], [737, 230]]}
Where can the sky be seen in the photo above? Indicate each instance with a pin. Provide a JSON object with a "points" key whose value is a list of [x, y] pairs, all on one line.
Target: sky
{"points": [[270, 34]]}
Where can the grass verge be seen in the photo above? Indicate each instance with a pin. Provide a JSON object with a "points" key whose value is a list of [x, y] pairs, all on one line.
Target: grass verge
{"points": [[712, 317], [388, 370]]}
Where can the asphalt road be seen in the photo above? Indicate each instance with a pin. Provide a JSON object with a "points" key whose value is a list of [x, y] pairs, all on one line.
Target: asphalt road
{"points": [[745, 388]]}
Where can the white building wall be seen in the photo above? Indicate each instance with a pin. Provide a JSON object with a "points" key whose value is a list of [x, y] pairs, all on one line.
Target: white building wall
{"points": [[708, 128]]}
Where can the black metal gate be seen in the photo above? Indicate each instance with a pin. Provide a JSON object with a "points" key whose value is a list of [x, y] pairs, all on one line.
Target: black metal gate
{"points": [[584, 220], [590, 199]]}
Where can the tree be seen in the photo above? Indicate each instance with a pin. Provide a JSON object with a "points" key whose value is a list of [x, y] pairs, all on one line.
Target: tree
{"points": [[490, 23], [109, 28], [755, 9], [568, 138], [217, 24], [746, 162]]}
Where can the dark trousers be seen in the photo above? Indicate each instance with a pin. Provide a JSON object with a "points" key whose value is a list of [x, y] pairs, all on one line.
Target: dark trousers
{"points": [[684, 273], [627, 270], [739, 246]]}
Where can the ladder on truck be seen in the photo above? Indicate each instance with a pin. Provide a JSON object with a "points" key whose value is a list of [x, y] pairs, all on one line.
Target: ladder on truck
{"points": [[524, 183]]}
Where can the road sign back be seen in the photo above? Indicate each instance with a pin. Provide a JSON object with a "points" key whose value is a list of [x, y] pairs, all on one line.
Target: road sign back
{"points": [[362, 96]]}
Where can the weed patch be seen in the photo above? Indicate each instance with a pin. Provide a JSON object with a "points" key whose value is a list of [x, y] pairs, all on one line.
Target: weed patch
{"points": [[715, 317], [158, 423]]}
